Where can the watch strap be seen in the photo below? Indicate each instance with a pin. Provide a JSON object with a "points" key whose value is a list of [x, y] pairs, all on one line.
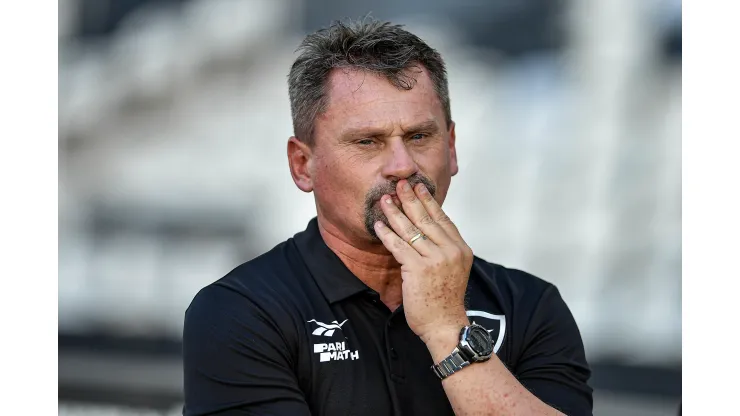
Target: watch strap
{"points": [[450, 365]]}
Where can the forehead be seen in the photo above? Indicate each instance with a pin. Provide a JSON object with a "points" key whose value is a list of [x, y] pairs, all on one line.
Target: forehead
{"points": [[359, 98]]}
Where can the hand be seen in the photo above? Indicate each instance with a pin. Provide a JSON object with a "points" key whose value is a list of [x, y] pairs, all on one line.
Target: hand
{"points": [[434, 268]]}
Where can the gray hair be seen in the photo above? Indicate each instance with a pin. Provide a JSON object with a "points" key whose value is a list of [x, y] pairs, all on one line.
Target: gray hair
{"points": [[368, 45]]}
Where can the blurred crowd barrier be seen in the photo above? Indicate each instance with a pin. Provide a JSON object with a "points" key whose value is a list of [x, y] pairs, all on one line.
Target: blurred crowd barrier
{"points": [[172, 153]]}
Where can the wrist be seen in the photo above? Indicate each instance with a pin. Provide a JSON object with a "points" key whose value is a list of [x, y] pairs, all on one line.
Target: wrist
{"points": [[442, 339]]}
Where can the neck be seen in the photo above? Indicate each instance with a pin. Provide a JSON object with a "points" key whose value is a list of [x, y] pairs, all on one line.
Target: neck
{"points": [[375, 267]]}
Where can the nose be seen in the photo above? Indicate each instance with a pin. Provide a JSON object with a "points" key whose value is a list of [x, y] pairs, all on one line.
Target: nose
{"points": [[400, 163]]}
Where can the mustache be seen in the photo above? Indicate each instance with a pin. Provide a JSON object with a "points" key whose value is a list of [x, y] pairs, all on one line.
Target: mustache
{"points": [[373, 213], [390, 188]]}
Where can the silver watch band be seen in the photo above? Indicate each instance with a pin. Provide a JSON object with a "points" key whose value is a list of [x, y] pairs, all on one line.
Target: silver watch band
{"points": [[450, 365]]}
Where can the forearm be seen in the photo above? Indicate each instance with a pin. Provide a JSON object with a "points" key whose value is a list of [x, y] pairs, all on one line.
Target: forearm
{"points": [[486, 388]]}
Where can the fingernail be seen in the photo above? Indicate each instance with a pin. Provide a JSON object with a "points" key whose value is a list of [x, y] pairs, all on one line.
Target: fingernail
{"points": [[379, 224], [422, 188], [388, 200], [406, 186]]}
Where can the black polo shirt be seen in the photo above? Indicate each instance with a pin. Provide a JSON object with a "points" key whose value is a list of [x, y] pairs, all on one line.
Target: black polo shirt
{"points": [[294, 332]]}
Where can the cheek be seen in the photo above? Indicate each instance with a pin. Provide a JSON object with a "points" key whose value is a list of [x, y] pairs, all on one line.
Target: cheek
{"points": [[339, 185], [436, 165], [438, 170], [442, 187]]}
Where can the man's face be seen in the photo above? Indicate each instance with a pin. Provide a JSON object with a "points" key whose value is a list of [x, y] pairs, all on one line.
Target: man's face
{"points": [[372, 135]]}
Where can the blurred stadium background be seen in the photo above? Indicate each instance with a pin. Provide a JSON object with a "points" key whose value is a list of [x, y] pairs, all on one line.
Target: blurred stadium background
{"points": [[173, 121]]}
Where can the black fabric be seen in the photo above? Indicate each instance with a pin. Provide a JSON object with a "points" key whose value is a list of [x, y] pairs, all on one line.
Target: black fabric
{"points": [[253, 343]]}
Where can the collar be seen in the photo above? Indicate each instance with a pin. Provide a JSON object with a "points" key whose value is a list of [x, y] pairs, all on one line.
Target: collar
{"points": [[334, 279]]}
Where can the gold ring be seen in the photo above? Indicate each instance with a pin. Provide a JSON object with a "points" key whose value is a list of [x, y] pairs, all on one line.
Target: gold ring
{"points": [[416, 237]]}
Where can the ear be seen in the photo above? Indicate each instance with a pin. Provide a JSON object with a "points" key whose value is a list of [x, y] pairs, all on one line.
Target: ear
{"points": [[452, 150], [300, 160]]}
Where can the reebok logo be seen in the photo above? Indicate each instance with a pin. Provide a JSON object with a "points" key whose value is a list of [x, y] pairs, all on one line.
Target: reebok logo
{"points": [[326, 330]]}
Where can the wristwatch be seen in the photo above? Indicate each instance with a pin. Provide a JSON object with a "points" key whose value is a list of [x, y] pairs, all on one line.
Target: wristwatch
{"points": [[476, 345]]}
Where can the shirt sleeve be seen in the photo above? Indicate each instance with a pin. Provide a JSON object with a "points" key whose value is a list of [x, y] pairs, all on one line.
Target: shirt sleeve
{"points": [[553, 365], [236, 360]]}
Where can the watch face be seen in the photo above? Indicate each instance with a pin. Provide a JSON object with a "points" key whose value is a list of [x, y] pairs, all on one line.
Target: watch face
{"points": [[480, 340]]}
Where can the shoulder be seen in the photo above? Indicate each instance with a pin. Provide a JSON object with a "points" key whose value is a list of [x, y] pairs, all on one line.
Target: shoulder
{"points": [[265, 273], [269, 276], [239, 331], [529, 298], [257, 290], [515, 282], [536, 305]]}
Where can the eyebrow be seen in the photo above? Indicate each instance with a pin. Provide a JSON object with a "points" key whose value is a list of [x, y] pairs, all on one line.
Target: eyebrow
{"points": [[428, 126]]}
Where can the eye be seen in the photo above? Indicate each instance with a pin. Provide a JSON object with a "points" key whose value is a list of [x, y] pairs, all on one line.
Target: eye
{"points": [[365, 142], [418, 136]]}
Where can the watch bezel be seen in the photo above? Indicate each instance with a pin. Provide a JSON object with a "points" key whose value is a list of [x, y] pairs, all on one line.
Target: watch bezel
{"points": [[467, 350]]}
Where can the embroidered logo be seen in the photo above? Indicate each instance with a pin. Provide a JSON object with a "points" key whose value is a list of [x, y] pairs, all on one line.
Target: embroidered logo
{"points": [[326, 330]]}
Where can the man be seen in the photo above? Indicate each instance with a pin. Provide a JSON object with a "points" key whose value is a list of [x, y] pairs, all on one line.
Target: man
{"points": [[378, 307]]}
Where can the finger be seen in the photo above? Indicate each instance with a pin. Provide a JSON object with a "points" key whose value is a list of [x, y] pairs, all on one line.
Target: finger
{"points": [[415, 211], [401, 250], [404, 228], [435, 212]]}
